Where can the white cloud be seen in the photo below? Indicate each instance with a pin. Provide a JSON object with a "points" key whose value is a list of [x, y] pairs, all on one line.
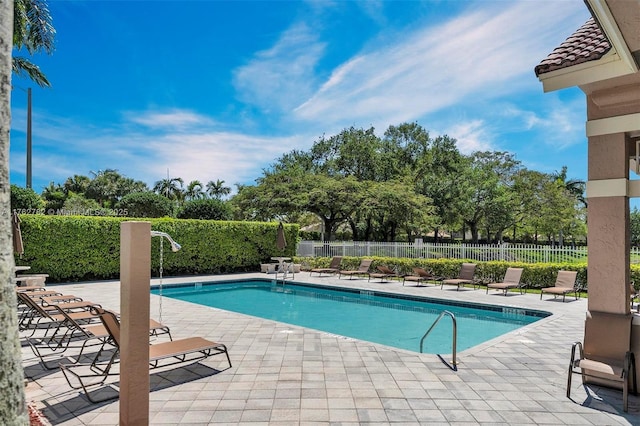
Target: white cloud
{"points": [[559, 125], [279, 77], [173, 118], [471, 136], [479, 55], [187, 144]]}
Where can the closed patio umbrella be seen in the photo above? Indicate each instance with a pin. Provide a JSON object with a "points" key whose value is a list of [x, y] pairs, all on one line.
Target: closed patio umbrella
{"points": [[281, 241], [18, 247]]}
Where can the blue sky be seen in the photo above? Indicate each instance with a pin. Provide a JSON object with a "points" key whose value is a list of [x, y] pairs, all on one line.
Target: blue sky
{"points": [[219, 89]]}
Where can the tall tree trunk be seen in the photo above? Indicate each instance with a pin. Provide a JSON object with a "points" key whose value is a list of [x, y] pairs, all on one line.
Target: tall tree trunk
{"points": [[328, 228], [368, 229], [13, 409], [473, 227]]}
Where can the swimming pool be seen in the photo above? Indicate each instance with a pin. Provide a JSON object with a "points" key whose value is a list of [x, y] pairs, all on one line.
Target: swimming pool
{"points": [[389, 319]]}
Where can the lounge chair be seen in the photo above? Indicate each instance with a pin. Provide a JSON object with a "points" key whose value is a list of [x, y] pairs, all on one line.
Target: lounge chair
{"points": [[465, 277], [37, 315], [420, 276], [511, 280], [565, 283], [383, 273], [334, 267], [85, 335], [179, 351], [606, 356], [363, 269]]}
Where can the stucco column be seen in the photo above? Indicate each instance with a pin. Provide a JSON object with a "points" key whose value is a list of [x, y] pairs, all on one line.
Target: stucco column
{"points": [[135, 277], [608, 223]]}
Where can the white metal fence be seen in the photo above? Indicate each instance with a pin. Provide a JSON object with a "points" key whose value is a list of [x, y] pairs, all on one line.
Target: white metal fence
{"points": [[479, 252]]}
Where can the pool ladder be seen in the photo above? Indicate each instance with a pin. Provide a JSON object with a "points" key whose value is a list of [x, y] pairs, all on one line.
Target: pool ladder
{"points": [[454, 363], [285, 272]]}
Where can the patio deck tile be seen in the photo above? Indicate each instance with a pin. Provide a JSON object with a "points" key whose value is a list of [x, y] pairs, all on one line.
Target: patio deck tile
{"points": [[288, 375]]}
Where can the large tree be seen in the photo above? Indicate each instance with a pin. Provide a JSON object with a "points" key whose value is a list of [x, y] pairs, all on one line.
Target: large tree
{"points": [[194, 191], [437, 176], [108, 187], [217, 189], [574, 187], [489, 179], [13, 410], [172, 188]]}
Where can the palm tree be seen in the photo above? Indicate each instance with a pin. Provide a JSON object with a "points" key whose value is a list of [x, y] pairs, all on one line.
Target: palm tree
{"points": [[77, 184], [574, 187], [13, 408], [217, 189], [33, 31], [170, 188], [104, 187], [194, 191]]}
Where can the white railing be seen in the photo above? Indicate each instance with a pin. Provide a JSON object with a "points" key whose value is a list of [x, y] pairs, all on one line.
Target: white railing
{"points": [[480, 252]]}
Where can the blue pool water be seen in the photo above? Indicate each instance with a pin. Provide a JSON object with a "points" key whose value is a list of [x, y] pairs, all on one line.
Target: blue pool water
{"points": [[390, 319]]}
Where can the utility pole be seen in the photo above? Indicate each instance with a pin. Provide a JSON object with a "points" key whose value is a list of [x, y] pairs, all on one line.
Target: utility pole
{"points": [[29, 137]]}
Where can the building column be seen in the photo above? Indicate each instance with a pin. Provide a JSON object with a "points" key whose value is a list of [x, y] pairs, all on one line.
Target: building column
{"points": [[608, 223]]}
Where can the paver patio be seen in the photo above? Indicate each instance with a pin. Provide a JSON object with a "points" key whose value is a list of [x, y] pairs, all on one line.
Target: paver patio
{"points": [[289, 375]]}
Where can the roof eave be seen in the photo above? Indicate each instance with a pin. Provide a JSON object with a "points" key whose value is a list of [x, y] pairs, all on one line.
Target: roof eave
{"points": [[603, 16], [609, 66]]}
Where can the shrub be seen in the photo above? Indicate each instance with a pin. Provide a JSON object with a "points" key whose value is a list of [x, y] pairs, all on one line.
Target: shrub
{"points": [[74, 248], [25, 199], [145, 204], [207, 209], [535, 275]]}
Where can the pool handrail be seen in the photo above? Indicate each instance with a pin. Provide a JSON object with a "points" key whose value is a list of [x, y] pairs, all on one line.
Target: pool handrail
{"points": [[454, 363]]}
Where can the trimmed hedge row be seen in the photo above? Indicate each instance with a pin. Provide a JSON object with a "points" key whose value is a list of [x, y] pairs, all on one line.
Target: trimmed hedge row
{"points": [[81, 248], [535, 275]]}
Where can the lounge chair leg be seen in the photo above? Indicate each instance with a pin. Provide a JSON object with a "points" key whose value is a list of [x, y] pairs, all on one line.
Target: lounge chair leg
{"points": [[625, 393]]}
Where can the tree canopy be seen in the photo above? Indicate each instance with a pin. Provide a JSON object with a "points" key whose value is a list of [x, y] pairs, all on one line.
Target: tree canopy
{"points": [[405, 184]]}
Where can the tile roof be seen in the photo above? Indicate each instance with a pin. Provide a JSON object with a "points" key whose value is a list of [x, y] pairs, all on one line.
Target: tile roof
{"points": [[588, 43]]}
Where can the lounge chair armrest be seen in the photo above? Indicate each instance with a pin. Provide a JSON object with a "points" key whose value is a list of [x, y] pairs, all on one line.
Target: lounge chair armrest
{"points": [[573, 352]]}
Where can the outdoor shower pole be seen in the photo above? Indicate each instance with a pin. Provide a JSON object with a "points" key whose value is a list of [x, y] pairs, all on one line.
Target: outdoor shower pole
{"points": [[135, 279]]}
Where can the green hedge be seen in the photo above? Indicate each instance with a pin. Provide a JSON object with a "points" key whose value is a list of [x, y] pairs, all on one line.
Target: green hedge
{"points": [[81, 248], [535, 275]]}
